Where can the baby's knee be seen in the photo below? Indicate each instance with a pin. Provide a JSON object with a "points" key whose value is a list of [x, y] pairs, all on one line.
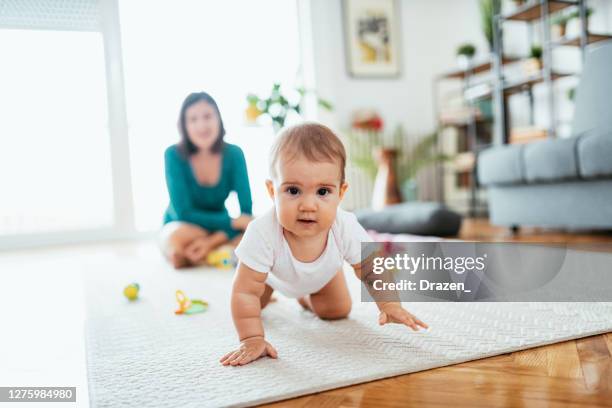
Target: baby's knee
{"points": [[334, 311]]}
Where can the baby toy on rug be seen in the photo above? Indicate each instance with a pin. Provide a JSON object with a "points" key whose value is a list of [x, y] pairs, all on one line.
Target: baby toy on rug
{"points": [[189, 306], [222, 258]]}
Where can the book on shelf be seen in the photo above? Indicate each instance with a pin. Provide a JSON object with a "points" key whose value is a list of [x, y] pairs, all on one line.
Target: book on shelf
{"points": [[527, 135]]}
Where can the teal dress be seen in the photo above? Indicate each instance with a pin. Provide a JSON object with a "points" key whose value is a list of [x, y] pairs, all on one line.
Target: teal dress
{"points": [[205, 205]]}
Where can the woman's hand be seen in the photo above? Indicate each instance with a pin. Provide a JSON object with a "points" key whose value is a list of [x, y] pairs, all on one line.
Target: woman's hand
{"points": [[241, 222], [393, 312], [197, 250], [250, 350]]}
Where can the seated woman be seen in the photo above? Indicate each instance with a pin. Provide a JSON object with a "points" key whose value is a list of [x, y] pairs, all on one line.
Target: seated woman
{"points": [[201, 171]]}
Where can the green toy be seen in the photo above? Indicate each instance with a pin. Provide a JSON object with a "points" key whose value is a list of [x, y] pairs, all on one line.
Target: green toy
{"points": [[188, 306]]}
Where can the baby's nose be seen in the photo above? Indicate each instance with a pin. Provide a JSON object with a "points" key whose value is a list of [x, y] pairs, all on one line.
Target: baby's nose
{"points": [[308, 203]]}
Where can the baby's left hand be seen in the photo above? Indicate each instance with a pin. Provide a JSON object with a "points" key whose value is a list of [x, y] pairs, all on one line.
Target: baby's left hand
{"points": [[395, 313]]}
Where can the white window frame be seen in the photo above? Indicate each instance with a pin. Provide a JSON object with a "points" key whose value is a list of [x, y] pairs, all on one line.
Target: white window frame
{"points": [[123, 226]]}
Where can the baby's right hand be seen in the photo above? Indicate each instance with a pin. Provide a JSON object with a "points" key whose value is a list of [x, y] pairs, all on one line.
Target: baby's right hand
{"points": [[250, 350]]}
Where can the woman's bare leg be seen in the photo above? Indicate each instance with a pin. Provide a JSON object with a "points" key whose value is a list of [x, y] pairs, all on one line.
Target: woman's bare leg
{"points": [[332, 302], [175, 237]]}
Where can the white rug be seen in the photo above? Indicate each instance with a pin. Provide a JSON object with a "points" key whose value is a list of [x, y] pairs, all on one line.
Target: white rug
{"points": [[142, 355]]}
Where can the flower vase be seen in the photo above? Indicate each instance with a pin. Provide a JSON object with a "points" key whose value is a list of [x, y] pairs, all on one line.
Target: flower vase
{"points": [[386, 190]]}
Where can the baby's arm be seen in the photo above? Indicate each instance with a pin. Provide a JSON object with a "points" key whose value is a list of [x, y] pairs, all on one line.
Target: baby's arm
{"points": [[249, 286], [391, 310]]}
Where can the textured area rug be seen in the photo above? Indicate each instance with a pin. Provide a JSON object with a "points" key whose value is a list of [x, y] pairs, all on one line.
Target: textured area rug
{"points": [[142, 354]]}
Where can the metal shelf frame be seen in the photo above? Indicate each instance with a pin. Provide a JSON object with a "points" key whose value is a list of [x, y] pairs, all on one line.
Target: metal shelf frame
{"points": [[533, 11]]}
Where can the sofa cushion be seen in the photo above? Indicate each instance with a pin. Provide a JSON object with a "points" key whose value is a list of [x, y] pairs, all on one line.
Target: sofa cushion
{"points": [[420, 218], [501, 165], [595, 153], [551, 160]]}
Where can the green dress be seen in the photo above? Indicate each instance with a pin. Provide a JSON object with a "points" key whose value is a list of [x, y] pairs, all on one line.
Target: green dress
{"points": [[205, 205]]}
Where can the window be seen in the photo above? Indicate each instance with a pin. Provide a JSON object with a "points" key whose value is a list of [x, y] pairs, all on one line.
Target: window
{"points": [[55, 172]]}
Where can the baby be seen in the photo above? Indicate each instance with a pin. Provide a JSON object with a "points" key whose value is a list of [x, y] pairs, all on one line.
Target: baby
{"points": [[299, 246]]}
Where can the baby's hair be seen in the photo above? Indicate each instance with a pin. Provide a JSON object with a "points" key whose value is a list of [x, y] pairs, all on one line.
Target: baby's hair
{"points": [[314, 141]]}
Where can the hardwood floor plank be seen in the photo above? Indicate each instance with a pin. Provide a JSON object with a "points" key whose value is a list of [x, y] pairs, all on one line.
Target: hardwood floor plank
{"points": [[596, 363], [608, 337], [563, 360], [535, 360]]}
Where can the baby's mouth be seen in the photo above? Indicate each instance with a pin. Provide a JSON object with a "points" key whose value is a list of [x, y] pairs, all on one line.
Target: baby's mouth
{"points": [[306, 221]]}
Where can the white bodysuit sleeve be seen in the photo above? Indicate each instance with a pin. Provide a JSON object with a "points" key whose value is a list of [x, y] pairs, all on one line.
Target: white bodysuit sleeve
{"points": [[352, 235], [255, 250]]}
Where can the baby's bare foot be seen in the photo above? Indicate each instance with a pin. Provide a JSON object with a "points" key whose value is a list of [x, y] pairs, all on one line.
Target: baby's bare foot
{"points": [[304, 303]]}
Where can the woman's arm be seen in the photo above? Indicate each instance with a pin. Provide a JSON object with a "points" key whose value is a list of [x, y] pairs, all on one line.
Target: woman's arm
{"points": [[180, 197], [241, 182]]}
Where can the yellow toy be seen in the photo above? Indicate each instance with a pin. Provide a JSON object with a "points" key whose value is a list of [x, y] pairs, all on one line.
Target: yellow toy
{"points": [[222, 258], [187, 306], [131, 291]]}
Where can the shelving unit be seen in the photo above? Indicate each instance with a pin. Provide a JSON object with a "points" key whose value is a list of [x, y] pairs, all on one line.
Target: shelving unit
{"points": [[457, 181], [472, 135], [531, 12]]}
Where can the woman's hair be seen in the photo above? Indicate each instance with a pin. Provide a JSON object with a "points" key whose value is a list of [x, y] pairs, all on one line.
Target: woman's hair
{"points": [[186, 147]]}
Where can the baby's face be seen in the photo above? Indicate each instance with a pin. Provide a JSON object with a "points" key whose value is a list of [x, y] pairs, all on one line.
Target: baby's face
{"points": [[306, 195]]}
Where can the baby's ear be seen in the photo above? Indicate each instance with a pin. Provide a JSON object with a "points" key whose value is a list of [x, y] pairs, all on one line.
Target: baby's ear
{"points": [[343, 188], [270, 188]]}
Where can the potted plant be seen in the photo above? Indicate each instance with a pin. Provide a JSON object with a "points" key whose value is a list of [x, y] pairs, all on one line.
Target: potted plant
{"points": [[533, 64], [278, 105], [373, 151], [465, 53], [576, 14], [560, 21], [536, 54]]}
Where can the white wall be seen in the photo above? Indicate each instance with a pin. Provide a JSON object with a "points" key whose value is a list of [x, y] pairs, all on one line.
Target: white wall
{"points": [[430, 34]]}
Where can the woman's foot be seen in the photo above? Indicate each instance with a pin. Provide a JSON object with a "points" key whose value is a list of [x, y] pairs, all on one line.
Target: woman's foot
{"points": [[177, 260]]}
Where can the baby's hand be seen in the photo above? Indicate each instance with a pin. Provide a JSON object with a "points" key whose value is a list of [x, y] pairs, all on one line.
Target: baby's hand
{"points": [[395, 313], [250, 350]]}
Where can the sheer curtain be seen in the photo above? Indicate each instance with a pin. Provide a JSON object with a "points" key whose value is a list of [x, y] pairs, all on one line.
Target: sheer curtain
{"points": [[227, 48]]}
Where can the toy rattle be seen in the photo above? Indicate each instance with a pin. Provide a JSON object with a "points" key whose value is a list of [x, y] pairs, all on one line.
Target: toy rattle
{"points": [[188, 306]]}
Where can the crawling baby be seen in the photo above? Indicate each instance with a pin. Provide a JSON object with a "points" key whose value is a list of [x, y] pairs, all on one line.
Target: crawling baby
{"points": [[298, 247]]}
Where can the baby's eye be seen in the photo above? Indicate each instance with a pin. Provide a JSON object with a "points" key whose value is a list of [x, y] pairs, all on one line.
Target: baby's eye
{"points": [[293, 190], [323, 191]]}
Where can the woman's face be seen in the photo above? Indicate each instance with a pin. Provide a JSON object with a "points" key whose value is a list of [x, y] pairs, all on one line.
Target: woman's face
{"points": [[202, 124]]}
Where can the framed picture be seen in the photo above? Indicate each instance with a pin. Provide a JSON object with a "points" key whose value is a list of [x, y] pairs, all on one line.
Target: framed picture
{"points": [[372, 37]]}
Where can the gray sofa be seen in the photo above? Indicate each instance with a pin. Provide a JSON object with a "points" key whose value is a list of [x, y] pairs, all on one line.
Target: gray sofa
{"points": [[564, 183]]}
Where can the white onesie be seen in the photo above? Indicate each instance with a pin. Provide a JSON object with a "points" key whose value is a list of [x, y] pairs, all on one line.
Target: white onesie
{"points": [[264, 249]]}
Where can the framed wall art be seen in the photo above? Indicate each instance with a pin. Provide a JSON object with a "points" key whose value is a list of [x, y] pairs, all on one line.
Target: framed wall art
{"points": [[372, 37]]}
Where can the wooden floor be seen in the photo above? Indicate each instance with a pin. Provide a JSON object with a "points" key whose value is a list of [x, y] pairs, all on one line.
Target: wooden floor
{"points": [[575, 373]]}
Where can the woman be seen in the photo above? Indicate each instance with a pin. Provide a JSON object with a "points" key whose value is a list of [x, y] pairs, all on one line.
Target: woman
{"points": [[201, 171]]}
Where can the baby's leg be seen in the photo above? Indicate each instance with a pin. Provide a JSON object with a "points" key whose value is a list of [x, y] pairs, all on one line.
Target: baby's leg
{"points": [[332, 302]]}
